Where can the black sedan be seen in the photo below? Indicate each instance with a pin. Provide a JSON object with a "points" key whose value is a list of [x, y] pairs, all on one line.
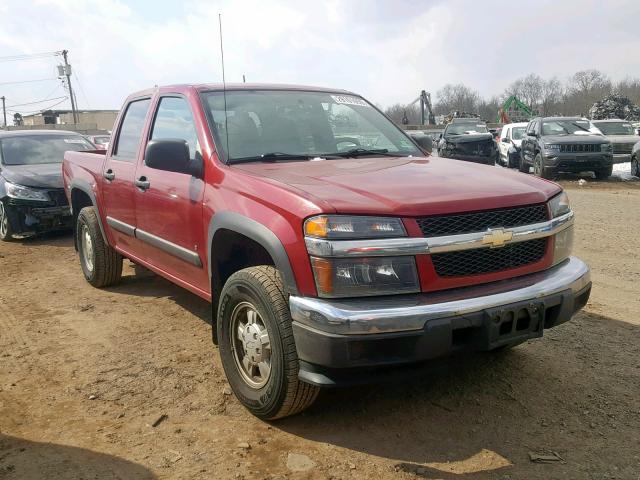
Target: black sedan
{"points": [[32, 198]]}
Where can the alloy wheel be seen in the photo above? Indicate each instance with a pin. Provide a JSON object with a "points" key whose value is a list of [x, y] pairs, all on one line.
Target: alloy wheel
{"points": [[250, 345], [88, 252], [4, 221]]}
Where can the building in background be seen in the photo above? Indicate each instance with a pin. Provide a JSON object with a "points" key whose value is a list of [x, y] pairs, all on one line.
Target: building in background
{"points": [[88, 120]]}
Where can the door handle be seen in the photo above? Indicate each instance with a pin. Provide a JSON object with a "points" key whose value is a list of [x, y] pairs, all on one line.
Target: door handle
{"points": [[109, 175], [142, 183]]}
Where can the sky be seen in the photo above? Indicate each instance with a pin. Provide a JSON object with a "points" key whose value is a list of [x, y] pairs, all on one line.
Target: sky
{"points": [[387, 51]]}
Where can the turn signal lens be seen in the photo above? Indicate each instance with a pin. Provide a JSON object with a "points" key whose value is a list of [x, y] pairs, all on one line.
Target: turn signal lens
{"points": [[351, 227]]}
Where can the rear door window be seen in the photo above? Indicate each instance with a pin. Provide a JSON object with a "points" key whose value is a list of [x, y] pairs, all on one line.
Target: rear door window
{"points": [[131, 128]]}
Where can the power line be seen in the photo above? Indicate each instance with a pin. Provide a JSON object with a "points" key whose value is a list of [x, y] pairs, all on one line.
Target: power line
{"points": [[19, 82], [48, 107], [32, 56], [39, 101], [75, 74]]}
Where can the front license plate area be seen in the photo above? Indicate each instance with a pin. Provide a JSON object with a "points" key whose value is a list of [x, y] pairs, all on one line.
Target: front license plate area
{"points": [[513, 323]]}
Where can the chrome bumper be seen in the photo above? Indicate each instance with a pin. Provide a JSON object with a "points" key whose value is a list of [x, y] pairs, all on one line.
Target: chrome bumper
{"points": [[411, 312]]}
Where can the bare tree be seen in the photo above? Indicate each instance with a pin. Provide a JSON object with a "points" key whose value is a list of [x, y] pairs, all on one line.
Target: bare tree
{"points": [[552, 91], [585, 88], [459, 97], [397, 112]]}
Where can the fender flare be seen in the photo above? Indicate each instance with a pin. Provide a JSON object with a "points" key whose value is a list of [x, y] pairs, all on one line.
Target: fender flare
{"points": [[258, 233], [84, 186]]}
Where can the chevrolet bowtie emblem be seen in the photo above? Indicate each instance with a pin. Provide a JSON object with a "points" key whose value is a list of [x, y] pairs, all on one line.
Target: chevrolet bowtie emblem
{"points": [[497, 238]]}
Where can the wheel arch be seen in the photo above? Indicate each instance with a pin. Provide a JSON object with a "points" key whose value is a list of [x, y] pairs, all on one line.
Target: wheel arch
{"points": [[82, 195]]}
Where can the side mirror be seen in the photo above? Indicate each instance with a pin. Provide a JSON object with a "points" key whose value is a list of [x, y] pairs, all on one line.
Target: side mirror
{"points": [[425, 142], [504, 140], [531, 134], [172, 155]]}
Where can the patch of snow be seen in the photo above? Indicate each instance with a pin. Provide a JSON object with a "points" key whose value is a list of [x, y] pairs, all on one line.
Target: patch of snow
{"points": [[623, 172]]}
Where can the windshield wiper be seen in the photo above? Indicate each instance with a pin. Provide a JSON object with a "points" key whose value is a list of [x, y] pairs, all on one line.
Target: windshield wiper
{"points": [[361, 152], [581, 128], [272, 157]]}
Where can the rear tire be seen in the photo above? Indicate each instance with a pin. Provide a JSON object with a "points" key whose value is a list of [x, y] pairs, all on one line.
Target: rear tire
{"points": [[6, 231], [604, 173], [101, 264], [257, 347]]}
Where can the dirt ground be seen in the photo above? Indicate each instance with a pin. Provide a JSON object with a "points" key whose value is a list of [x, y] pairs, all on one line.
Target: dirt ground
{"points": [[85, 373]]}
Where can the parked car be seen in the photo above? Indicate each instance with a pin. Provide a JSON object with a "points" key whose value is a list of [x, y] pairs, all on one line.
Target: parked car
{"points": [[509, 144], [635, 160], [32, 198], [468, 139], [565, 144], [100, 141], [622, 136], [325, 263]]}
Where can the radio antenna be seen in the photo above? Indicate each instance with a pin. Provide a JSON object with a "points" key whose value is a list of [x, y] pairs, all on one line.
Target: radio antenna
{"points": [[224, 88]]}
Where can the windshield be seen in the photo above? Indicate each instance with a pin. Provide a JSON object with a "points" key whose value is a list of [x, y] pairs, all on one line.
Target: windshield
{"points": [[30, 150], [615, 128], [567, 127], [298, 124], [462, 128], [517, 133]]}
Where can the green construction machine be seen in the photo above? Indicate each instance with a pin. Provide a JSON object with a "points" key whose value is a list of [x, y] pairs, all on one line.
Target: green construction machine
{"points": [[513, 111]]}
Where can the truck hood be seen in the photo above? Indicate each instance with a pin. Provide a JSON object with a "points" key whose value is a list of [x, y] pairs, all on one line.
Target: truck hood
{"points": [[623, 138], [404, 186], [43, 175], [580, 138]]}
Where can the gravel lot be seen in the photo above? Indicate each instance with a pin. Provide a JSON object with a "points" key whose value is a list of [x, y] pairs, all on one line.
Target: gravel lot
{"points": [[85, 373]]}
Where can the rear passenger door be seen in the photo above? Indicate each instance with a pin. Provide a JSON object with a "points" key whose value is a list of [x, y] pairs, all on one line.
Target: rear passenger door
{"points": [[169, 210], [118, 174], [504, 145]]}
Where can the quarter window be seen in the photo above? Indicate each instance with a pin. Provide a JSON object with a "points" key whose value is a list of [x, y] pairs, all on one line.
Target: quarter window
{"points": [[131, 130]]}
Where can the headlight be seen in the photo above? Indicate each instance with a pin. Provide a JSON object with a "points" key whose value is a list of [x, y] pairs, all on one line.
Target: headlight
{"points": [[606, 147], [356, 277], [343, 227], [26, 193], [559, 205], [552, 147]]}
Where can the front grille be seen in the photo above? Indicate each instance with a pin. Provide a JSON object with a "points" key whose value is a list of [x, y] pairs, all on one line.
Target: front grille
{"points": [[58, 197], [482, 148], [481, 221], [580, 148], [488, 260], [622, 147]]}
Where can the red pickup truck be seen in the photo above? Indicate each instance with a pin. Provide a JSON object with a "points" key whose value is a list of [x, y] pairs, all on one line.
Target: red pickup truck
{"points": [[330, 246]]}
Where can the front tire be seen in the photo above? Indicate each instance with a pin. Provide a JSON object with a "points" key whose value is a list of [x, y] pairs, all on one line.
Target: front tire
{"points": [[101, 264], [6, 231], [539, 169], [604, 173], [257, 347], [635, 166]]}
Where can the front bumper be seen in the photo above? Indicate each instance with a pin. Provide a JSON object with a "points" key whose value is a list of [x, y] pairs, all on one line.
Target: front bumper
{"points": [[576, 163], [621, 157], [29, 217], [333, 336]]}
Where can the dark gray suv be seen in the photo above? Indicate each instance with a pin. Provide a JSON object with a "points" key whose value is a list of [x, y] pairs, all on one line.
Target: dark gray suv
{"points": [[565, 144]]}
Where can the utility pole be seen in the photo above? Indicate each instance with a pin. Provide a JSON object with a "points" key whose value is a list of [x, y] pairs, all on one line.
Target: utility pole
{"points": [[4, 113], [67, 73]]}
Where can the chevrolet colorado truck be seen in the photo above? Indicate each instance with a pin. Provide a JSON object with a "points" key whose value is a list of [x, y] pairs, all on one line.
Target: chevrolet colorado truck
{"points": [[330, 247]]}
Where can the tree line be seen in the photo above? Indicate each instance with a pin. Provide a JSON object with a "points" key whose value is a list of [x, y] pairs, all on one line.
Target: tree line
{"points": [[551, 96]]}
